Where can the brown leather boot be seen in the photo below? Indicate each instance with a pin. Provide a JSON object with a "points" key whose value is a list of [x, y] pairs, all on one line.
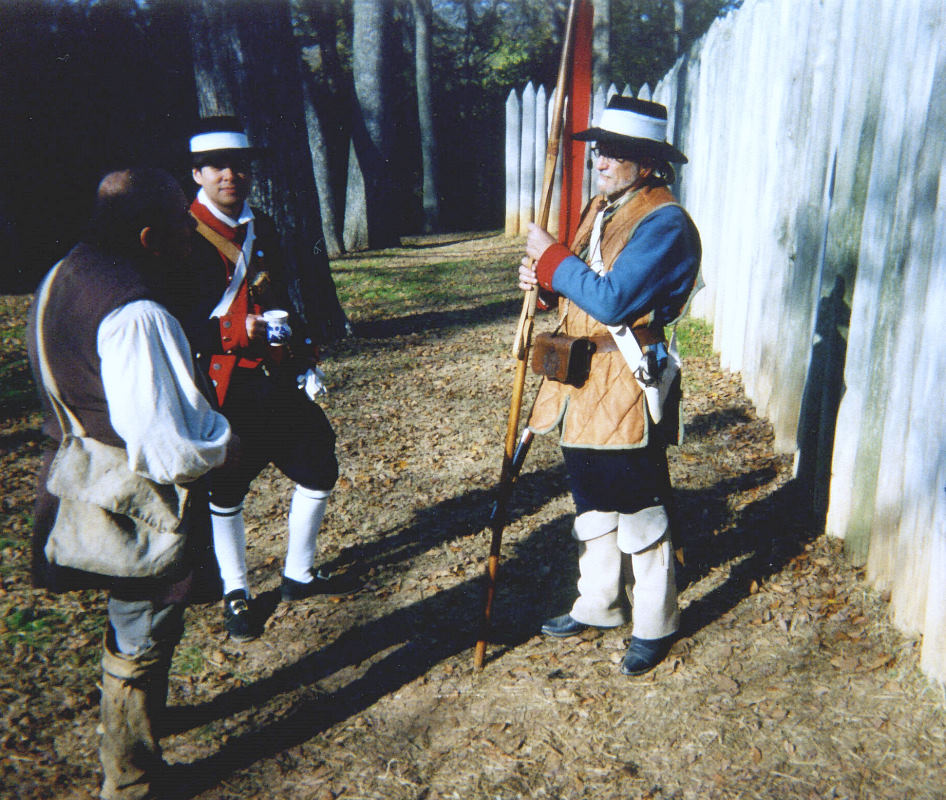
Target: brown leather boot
{"points": [[129, 752]]}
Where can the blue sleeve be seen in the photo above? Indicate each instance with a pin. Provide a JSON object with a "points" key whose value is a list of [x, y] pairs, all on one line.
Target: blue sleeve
{"points": [[654, 272]]}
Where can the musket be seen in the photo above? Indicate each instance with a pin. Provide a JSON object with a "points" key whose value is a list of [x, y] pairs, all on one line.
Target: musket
{"points": [[513, 456]]}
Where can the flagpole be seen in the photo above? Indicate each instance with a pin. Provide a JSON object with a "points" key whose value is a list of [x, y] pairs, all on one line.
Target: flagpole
{"points": [[523, 338]]}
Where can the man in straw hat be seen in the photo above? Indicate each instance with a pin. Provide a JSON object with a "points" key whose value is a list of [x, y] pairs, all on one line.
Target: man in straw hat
{"points": [[630, 272], [266, 379]]}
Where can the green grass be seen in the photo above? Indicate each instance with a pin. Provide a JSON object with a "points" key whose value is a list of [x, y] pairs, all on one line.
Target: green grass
{"points": [[695, 338], [13, 566], [189, 660], [399, 283], [373, 288], [31, 626]]}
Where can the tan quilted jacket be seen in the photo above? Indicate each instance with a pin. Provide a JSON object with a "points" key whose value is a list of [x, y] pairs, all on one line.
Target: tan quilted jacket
{"points": [[608, 411]]}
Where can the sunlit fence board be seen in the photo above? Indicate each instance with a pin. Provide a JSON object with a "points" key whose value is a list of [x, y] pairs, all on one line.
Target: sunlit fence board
{"points": [[528, 123], [815, 133], [817, 150]]}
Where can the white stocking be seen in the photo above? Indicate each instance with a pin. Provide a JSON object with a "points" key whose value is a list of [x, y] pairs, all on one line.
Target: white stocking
{"points": [[305, 517], [229, 537], [656, 613]]}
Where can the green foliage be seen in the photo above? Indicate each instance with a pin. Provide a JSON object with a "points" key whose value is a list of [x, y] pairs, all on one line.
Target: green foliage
{"points": [[642, 36]]}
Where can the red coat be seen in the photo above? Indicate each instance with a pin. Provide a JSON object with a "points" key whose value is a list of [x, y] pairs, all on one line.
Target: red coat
{"points": [[221, 343]]}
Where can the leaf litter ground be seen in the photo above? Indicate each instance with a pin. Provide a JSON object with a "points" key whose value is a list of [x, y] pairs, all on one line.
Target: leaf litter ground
{"points": [[788, 680]]}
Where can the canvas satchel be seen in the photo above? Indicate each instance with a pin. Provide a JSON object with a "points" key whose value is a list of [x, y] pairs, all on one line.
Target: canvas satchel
{"points": [[111, 521]]}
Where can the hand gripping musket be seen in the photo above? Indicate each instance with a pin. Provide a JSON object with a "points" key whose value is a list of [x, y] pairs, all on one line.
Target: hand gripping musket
{"points": [[514, 455]]}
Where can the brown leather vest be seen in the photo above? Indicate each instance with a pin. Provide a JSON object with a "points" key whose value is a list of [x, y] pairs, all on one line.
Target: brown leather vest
{"points": [[608, 411]]}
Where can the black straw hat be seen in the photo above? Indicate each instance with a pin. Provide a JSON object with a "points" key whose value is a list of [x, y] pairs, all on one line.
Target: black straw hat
{"points": [[215, 136], [637, 126]]}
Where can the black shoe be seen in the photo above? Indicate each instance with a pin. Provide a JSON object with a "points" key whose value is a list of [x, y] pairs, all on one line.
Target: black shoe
{"points": [[645, 654], [563, 626], [330, 584], [238, 617]]}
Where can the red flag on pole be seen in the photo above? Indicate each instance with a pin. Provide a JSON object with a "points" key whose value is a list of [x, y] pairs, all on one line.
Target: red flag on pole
{"points": [[576, 119]]}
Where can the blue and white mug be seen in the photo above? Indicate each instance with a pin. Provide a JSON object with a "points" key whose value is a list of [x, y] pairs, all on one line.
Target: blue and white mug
{"points": [[277, 326]]}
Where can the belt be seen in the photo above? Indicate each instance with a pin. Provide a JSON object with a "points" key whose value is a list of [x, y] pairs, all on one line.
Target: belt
{"points": [[603, 344], [645, 337]]}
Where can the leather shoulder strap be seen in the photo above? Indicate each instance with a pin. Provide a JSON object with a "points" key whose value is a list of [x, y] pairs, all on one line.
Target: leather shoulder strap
{"points": [[230, 251]]}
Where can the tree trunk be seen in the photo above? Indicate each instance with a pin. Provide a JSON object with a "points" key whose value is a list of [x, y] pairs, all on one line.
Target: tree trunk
{"points": [[425, 114], [601, 44], [246, 62], [371, 220], [321, 171], [325, 93], [679, 19]]}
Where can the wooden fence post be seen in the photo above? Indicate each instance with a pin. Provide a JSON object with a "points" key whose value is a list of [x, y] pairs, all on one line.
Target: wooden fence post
{"points": [[557, 184], [513, 126], [527, 159], [541, 135]]}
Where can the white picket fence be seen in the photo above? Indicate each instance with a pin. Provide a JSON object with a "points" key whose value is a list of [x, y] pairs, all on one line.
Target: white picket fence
{"points": [[528, 116], [817, 178]]}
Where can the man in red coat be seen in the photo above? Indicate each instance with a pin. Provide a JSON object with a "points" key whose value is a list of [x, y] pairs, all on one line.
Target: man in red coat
{"points": [[267, 389]]}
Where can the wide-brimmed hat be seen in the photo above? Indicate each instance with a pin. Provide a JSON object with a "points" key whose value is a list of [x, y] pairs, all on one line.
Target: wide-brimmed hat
{"points": [[217, 136], [638, 126]]}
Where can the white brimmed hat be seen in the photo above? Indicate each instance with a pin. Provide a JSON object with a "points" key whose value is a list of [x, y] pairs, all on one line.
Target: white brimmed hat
{"points": [[638, 126], [217, 135]]}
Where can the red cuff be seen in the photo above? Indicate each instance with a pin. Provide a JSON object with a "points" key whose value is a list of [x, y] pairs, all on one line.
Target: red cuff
{"points": [[545, 267], [233, 333]]}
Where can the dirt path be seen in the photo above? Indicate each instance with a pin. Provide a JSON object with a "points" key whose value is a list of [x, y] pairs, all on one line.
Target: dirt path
{"points": [[788, 682]]}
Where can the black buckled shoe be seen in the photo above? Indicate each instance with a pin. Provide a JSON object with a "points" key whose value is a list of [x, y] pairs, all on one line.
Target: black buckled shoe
{"points": [[563, 626], [645, 654], [328, 584], [238, 617]]}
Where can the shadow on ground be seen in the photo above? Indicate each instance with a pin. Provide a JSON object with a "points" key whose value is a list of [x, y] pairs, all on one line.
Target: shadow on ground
{"points": [[436, 320], [536, 581]]}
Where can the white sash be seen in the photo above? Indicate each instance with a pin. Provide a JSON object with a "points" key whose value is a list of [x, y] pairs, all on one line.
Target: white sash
{"points": [[239, 269], [626, 342], [239, 275]]}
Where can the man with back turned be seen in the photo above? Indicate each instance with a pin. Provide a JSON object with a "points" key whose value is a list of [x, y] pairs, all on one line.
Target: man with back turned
{"points": [[117, 508]]}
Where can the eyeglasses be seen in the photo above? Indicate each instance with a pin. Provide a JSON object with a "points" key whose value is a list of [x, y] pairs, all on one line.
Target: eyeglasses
{"points": [[612, 154]]}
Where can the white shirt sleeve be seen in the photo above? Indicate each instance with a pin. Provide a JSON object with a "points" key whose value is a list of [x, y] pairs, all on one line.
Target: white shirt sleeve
{"points": [[171, 432]]}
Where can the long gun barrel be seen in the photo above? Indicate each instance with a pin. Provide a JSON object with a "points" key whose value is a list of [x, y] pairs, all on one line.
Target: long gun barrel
{"points": [[521, 346]]}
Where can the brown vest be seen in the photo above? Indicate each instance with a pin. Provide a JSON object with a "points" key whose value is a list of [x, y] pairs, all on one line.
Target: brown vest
{"points": [[608, 411], [89, 285]]}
